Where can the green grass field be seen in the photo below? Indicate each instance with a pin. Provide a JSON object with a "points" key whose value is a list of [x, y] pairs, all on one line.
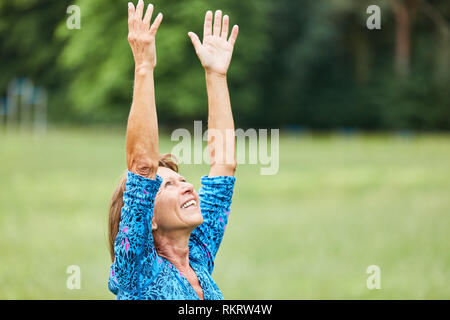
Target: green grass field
{"points": [[337, 205]]}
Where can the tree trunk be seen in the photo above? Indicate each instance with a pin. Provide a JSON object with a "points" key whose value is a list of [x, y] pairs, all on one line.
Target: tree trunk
{"points": [[403, 12]]}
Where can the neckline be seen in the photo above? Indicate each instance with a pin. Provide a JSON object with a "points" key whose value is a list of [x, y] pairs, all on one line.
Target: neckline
{"points": [[185, 281]]}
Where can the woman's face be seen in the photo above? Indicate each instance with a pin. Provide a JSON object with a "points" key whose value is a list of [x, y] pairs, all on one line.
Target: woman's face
{"points": [[177, 204]]}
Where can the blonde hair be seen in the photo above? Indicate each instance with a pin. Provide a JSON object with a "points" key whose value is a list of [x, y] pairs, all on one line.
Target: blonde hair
{"points": [[167, 161]]}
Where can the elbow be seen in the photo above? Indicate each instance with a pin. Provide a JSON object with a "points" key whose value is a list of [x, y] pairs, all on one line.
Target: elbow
{"points": [[143, 166]]}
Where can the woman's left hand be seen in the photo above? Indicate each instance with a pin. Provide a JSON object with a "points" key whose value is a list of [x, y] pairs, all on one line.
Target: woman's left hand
{"points": [[216, 50]]}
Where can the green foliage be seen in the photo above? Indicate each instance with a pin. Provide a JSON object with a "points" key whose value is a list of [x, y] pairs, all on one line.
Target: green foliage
{"points": [[308, 63], [29, 48], [327, 70], [101, 64]]}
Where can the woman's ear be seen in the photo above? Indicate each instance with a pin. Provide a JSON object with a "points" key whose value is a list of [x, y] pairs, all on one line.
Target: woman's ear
{"points": [[154, 225]]}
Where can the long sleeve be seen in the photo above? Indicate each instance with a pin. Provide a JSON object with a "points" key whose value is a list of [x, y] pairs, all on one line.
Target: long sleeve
{"points": [[134, 247], [215, 201]]}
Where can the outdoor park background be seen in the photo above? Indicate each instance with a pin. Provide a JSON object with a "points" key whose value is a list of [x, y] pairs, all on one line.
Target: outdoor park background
{"points": [[364, 117]]}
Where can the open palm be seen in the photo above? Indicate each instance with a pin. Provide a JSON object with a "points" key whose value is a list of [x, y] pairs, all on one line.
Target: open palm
{"points": [[216, 50]]}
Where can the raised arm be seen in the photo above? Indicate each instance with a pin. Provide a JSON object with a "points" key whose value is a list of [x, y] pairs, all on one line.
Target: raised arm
{"points": [[217, 189], [142, 128], [215, 56], [133, 246]]}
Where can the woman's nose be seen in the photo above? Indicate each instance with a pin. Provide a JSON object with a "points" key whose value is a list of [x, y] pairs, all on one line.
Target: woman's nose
{"points": [[188, 187]]}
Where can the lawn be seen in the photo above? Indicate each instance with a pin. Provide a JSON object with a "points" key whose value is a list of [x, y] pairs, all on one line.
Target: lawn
{"points": [[337, 205]]}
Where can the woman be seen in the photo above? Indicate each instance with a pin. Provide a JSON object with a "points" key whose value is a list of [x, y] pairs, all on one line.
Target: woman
{"points": [[164, 235]]}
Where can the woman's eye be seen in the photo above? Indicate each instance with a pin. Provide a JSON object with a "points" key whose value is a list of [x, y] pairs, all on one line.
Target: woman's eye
{"points": [[168, 183]]}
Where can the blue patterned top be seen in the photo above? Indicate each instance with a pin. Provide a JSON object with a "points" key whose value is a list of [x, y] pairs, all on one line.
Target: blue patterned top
{"points": [[138, 272]]}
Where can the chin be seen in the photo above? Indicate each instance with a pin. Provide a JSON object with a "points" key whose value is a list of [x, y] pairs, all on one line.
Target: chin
{"points": [[198, 219], [201, 219], [193, 218]]}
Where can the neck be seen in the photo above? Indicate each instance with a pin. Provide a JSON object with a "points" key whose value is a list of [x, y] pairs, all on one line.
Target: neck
{"points": [[173, 246]]}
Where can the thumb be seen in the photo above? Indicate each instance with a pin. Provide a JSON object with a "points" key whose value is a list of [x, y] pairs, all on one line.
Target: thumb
{"points": [[195, 41]]}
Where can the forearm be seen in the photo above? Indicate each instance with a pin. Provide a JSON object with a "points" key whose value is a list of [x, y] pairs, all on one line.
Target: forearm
{"points": [[142, 128], [221, 139]]}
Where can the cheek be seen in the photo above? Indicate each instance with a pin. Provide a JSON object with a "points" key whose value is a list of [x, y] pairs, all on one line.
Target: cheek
{"points": [[166, 200], [165, 205]]}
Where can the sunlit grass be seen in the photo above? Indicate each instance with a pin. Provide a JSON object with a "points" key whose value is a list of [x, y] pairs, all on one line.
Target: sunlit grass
{"points": [[337, 205]]}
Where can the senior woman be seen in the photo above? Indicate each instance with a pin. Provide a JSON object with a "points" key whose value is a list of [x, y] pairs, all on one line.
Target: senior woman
{"points": [[164, 236]]}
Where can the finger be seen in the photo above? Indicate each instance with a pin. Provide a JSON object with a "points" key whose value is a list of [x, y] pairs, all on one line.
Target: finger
{"points": [[234, 34], [139, 10], [225, 22], [156, 23], [130, 14], [208, 24], [195, 41], [148, 16], [217, 23]]}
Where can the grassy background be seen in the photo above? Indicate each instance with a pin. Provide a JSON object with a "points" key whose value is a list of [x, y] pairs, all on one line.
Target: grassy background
{"points": [[337, 205]]}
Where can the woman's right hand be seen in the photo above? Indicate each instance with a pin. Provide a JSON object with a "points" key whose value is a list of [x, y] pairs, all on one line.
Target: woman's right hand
{"points": [[141, 36]]}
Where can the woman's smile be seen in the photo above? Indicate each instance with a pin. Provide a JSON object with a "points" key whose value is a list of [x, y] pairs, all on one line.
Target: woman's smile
{"points": [[189, 204]]}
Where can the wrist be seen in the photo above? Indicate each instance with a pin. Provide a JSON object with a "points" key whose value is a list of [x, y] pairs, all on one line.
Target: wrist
{"points": [[143, 69], [213, 74]]}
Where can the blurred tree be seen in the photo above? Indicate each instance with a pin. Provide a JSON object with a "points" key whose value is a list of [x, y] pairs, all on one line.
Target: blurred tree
{"points": [[298, 63], [28, 47], [404, 12], [101, 64], [307, 80]]}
